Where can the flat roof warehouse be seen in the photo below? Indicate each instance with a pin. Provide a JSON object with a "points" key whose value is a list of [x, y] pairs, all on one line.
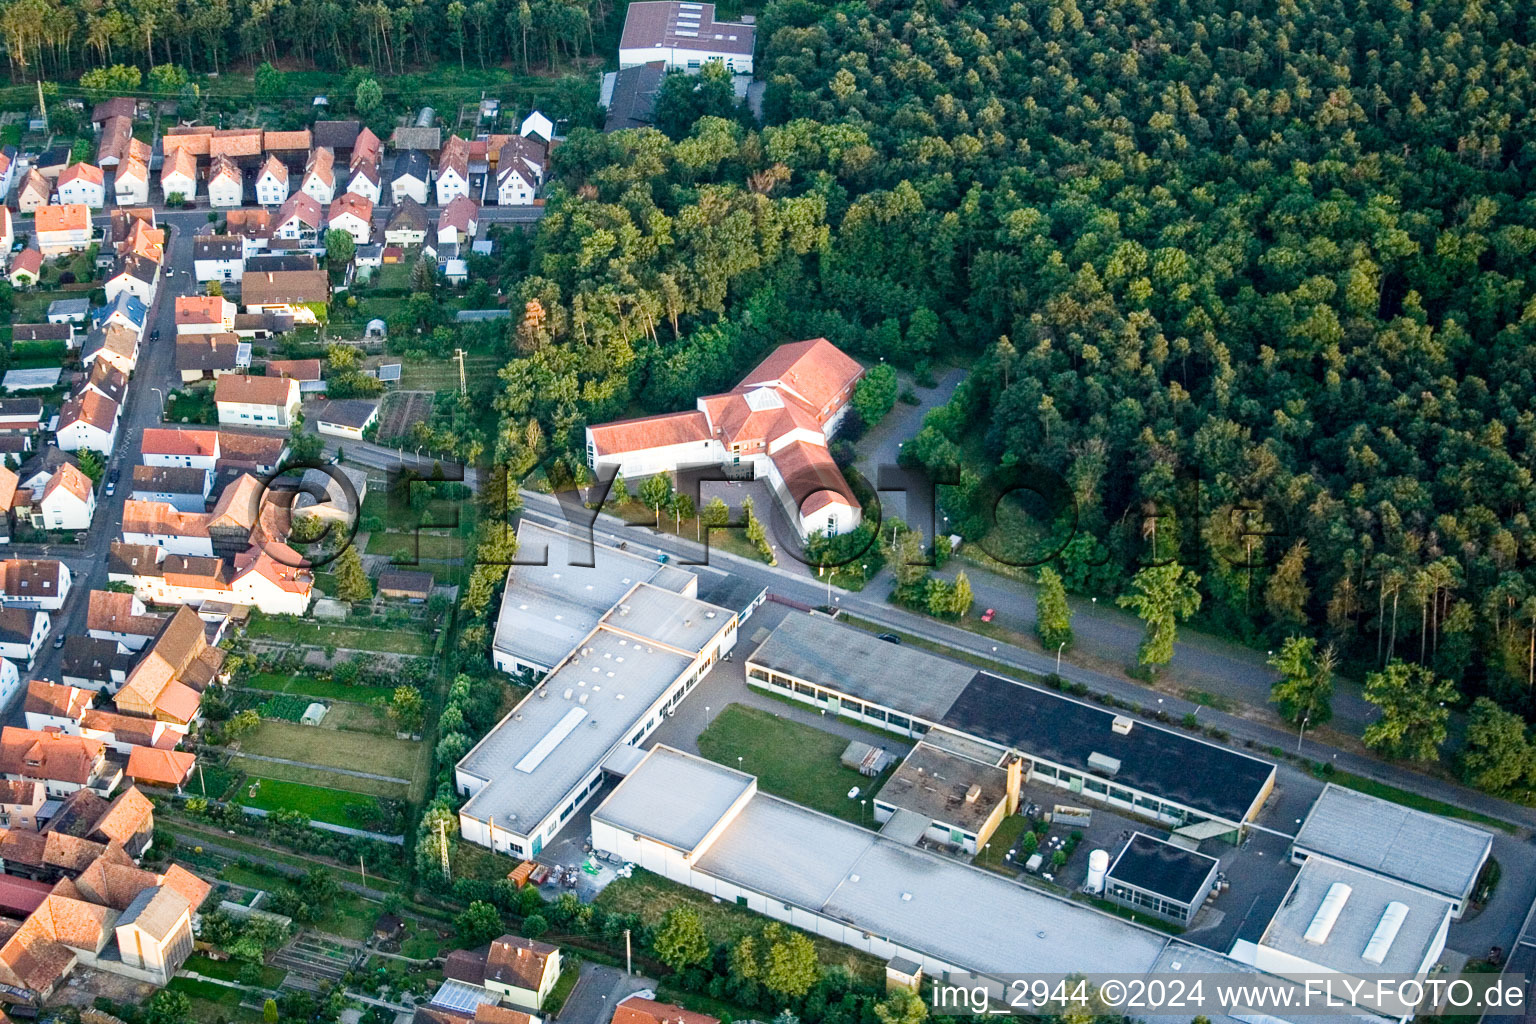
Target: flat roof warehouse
{"points": [[943, 697]]}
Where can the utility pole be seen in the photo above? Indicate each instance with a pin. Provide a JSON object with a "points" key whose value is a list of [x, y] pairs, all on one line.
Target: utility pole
{"points": [[629, 961], [200, 780], [42, 104], [364, 867], [458, 354], [442, 840]]}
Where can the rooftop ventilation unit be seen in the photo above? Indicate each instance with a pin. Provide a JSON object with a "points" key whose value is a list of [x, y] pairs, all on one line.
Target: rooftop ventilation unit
{"points": [[1103, 764], [1327, 913], [1122, 725]]}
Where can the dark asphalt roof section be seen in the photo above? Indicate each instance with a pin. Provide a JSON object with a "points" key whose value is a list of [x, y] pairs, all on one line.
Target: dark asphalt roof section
{"points": [[1168, 870]]}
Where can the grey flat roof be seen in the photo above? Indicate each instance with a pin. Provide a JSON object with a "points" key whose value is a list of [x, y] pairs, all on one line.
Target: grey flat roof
{"points": [[1153, 865], [620, 679], [781, 850], [666, 617], [547, 609], [933, 783], [728, 590], [674, 799], [1181, 957], [32, 380], [1346, 941], [818, 650], [1412, 846]]}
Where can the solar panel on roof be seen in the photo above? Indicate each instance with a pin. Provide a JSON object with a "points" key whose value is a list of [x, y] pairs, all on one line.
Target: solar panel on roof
{"points": [[389, 371]]}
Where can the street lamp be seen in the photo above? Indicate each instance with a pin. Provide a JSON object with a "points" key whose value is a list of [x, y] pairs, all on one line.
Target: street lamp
{"points": [[706, 716], [1302, 731], [861, 810], [161, 395], [1058, 656]]}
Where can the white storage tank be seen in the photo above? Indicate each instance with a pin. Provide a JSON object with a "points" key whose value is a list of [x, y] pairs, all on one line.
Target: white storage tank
{"points": [[1098, 867]]}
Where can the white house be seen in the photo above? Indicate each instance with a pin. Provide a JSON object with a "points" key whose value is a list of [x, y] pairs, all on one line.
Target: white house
{"points": [[272, 183], [346, 417], [453, 170], [320, 176], [353, 214], [134, 275], [457, 223], [88, 420], [171, 446], [778, 421], [204, 314], [516, 182], [178, 175], [684, 35], [218, 258], [130, 183], [7, 229], [55, 706], [248, 401], [61, 229], [83, 184], [412, 176], [22, 632], [363, 180], [163, 526], [226, 183], [257, 580], [298, 219], [41, 583], [68, 501]]}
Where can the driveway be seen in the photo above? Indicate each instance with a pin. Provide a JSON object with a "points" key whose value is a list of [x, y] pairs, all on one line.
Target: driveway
{"points": [[598, 990]]}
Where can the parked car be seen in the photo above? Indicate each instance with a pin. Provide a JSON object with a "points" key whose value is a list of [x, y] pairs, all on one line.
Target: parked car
{"points": [[111, 488], [58, 641], [663, 557], [890, 638]]}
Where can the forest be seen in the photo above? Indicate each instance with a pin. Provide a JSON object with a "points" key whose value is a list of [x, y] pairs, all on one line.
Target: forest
{"points": [[1251, 279]]}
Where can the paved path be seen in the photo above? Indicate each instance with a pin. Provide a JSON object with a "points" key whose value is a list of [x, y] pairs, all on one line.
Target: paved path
{"points": [[598, 990], [338, 771]]}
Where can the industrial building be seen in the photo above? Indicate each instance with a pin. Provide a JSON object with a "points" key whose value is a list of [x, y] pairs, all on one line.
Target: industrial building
{"points": [[1423, 850], [1155, 773], [632, 649], [1159, 878], [946, 798]]}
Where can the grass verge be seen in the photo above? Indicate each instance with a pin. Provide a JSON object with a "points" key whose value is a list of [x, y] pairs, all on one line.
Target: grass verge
{"points": [[319, 804], [379, 755], [310, 776]]}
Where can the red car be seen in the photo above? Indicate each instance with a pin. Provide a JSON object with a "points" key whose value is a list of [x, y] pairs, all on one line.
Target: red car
{"points": [[986, 616]]}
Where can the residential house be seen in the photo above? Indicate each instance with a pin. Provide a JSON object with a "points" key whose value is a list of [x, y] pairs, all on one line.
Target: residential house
{"points": [[35, 192], [115, 346], [22, 631], [61, 229], [54, 706], [298, 219], [516, 182], [69, 500], [7, 231], [243, 400], [254, 579], [120, 619], [353, 214], [249, 452], [121, 733], [26, 268], [777, 420], [218, 258], [173, 446], [135, 275], [39, 469], [106, 380], [210, 356], [262, 326], [282, 261], [629, 96], [165, 526], [130, 185], [83, 184], [457, 223], [62, 763], [536, 125], [226, 183], [242, 145], [452, 170], [253, 226], [204, 314], [88, 420], [182, 487], [124, 311], [7, 169], [521, 971], [272, 182], [337, 136], [166, 683], [302, 294], [363, 180], [10, 683], [366, 149], [319, 182], [306, 371], [412, 177], [93, 664], [35, 582], [407, 223], [178, 176]]}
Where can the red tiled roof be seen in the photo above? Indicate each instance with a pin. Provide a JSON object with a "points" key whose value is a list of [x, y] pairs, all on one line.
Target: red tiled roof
{"points": [[85, 172], [161, 767], [650, 432], [48, 755], [174, 441], [813, 479], [56, 699], [69, 217], [71, 478], [244, 388], [200, 309], [89, 407], [635, 1010]]}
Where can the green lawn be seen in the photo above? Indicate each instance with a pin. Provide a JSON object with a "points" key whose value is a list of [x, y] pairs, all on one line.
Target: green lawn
{"points": [[330, 805], [1002, 841], [334, 749], [229, 970], [794, 761], [359, 638], [211, 1002], [419, 545], [651, 896], [555, 1001], [320, 778], [316, 687]]}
